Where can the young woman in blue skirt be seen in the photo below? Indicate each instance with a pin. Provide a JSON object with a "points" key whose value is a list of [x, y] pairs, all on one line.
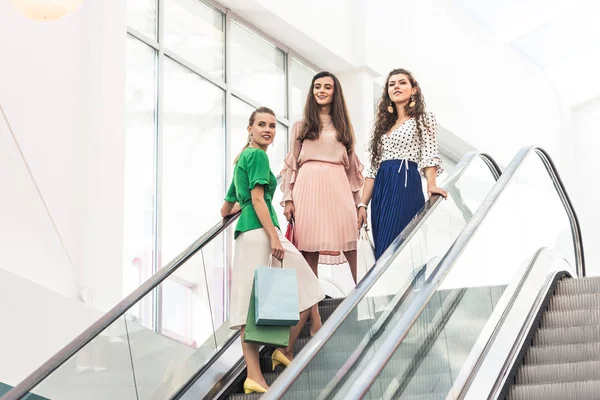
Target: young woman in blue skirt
{"points": [[403, 146]]}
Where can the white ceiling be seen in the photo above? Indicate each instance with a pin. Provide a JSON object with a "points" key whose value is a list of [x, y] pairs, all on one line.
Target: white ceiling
{"points": [[560, 37]]}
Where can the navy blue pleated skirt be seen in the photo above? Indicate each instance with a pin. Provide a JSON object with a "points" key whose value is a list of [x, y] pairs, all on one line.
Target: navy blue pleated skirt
{"points": [[397, 198]]}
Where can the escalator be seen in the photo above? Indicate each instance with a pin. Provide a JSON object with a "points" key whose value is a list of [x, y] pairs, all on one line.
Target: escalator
{"points": [[561, 358], [140, 363], [523, 323]]}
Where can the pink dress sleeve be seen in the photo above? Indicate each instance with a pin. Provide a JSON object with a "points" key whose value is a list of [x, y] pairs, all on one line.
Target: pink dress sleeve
{"points": [[290, 166], [355, 176]]}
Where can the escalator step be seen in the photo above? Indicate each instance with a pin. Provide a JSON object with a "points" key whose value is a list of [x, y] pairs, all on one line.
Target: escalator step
{"points": [[289, 395], [567, 335], [563, 372], [243, 396], [584, 390], [587, 301], [556, 319], [427, 396], [331, 302], [578, 286], [563, 354]]}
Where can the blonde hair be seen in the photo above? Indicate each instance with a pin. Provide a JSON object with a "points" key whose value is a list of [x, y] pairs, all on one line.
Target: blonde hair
{"points": [[259, 110]]}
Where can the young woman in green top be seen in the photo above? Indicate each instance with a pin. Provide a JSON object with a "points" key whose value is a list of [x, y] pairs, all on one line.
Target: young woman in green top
{"points": [[257, 238]]}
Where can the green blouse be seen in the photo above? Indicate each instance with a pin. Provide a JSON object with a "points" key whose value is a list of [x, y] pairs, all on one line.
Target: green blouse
{"points": [[251, 169]]}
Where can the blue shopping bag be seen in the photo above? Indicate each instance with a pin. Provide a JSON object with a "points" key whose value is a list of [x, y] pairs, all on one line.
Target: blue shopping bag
{"points": [[276, 297]]}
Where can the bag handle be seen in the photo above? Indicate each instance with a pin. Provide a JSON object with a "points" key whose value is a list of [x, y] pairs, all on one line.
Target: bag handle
{"points": [[270, 262]]}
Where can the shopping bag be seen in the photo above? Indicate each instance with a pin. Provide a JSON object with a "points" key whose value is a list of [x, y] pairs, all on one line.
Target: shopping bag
{"points": [[365, 261], [289, 232], [365, 252], [276, 297], [275, 336]]}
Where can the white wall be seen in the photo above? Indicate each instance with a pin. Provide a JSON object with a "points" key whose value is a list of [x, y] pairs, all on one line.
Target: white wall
{"points": [[482, 91], [32, 330], [585, 138], [62, 87]]}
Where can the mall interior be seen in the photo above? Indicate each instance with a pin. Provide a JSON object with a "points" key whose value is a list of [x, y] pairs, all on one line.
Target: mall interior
{"points": [[119, 124]]}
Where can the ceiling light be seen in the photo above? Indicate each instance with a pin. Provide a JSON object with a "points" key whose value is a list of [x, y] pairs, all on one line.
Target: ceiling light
{"points": [[46, 10]]}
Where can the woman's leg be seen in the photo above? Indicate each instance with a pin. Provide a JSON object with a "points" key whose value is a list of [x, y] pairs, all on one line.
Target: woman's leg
{"points": [[312, 258], [294, 334], [352, 261], [251, 356]]}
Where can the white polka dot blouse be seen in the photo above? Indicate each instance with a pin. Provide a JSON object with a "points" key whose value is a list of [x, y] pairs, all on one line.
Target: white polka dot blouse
{"points": [[404, 143]]}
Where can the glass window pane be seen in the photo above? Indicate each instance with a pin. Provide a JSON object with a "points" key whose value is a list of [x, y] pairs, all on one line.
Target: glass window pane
{"points": [[194, 31], [300, 77], [176, 309], [141, 16], [138, 232], [258, 69], [188, 337], [192, 158]]}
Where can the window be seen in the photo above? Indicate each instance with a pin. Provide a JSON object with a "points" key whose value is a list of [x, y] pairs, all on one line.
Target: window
{"points": [[195, 31], [140, 174], [300, 77], [192, 158], [258, 69], [187, 114], [142, 16]]}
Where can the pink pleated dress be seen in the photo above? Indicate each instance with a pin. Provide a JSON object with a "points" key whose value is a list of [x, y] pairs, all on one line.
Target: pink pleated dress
{"points": [[323, 180]]}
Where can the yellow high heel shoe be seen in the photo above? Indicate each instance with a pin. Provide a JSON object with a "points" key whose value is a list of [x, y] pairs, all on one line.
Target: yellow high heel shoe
{"points": [[278, 358], [252, 387]]}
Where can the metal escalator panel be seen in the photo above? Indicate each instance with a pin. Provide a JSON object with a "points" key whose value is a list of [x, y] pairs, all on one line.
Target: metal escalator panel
{"points": [[347, 337], [447, 330]]}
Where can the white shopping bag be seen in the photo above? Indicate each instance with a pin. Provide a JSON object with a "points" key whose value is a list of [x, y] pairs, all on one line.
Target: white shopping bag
{"points": [[365, 261], [365, 253]]}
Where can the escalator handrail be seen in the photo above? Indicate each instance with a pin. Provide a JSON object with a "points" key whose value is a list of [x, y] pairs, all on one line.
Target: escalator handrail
{"points": [[37, 376], [543, 293], [338, 317], [378, 362]]}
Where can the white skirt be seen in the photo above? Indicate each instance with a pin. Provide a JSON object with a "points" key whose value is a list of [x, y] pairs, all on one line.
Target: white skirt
{"points": [[252, 250]]}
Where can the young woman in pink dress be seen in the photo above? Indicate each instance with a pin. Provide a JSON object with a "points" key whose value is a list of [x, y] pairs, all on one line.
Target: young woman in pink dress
{"points": [[322, 177]]}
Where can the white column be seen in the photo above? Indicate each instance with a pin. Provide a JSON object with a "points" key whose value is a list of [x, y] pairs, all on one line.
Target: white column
{"points": [[359, 90], [102, 241]]}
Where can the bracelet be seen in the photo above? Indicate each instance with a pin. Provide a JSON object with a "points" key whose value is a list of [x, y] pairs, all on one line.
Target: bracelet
{"points": [[359, 205]]}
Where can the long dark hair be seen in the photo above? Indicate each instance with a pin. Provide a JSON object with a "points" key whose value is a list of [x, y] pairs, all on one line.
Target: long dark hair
{"points": [[385, 120], [311, 126], [251, 120]]}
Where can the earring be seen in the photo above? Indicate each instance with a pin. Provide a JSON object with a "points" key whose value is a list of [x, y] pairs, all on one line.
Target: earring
{"points": [[412, 101], [250, 139], [390, 108]]}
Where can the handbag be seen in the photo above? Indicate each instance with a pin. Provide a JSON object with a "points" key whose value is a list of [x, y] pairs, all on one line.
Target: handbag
{"points": [[275, 336], [276, 296], [289, 232]]}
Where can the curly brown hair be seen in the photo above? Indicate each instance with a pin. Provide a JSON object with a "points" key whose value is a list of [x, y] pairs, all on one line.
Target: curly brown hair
{"points": [[385, 120], [311, 126]]}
